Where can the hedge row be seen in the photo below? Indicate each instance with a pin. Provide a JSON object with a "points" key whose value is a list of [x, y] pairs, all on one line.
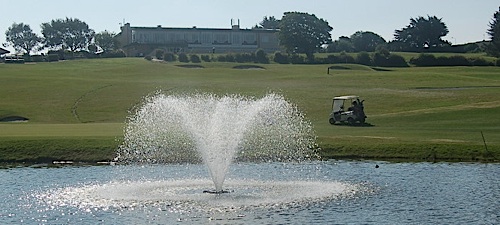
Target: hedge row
{"points": [[54, 56], [379, 59], [456, 60]]}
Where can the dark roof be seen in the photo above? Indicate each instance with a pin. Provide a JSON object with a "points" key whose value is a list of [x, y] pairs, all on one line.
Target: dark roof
{"points": [[4, 51], [208, 29]]}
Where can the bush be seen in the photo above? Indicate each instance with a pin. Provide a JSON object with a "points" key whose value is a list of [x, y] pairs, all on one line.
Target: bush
{"points": [[59, 53], [396, 61], [159, 54], [53, 57], [169, 57], [424, 60], [230, 58], [280, 58], [478, 61], [195, 58], [364, 58], [330, 59], [37, 58], [114, 54], [345, 58], [391, 60], [183, 57], [148, 57], [261, 57], [205, 58], [297, 59], [221, 58], [456, 60], [242, 57]]}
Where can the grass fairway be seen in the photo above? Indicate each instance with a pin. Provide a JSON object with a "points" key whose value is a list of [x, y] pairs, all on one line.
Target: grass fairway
{"points": [[77, 109]]}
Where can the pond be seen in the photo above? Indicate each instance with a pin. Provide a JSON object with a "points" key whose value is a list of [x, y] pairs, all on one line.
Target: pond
{"points": [[318, 192]]}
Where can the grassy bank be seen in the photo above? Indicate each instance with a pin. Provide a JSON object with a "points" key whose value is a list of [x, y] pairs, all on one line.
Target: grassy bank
{"points": [[76, 109]]}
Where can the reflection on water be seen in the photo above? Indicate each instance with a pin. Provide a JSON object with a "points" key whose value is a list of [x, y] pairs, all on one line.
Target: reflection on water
{"points": [[319, 192]]}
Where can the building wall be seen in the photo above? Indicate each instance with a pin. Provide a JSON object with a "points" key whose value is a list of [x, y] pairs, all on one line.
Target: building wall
{"points": [[137, 40]]}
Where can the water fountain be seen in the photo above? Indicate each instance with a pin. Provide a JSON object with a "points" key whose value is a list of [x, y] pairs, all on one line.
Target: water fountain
{"points": [[169, 138], [259, 153], [216, 130]]}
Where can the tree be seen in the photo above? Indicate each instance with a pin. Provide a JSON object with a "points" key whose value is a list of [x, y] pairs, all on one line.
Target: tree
{"points": [[366, 41], [303, 33], [67, 34], [106, 41], [22, 38], [270, 23], [494, 33], [343, 44], [422, 33]]}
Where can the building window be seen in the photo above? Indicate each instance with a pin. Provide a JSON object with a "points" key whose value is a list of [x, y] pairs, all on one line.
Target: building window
{"points": [[250, 39], [221, 38], [236, 39], [264, 38], [206, 38]]}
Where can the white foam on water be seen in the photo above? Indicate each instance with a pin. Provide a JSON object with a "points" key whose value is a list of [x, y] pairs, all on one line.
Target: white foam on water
{"points": [[187, 195]]}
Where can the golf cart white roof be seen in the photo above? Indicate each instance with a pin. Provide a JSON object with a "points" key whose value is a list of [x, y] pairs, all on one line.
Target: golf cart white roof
{"points": [[346, 97]]}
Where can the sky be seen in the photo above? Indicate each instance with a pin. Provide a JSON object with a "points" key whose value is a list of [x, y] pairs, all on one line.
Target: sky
{"points": [[467, 20]]}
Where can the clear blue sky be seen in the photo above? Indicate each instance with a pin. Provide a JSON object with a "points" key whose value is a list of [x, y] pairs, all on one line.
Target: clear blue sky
{"points": [[467, 20]]}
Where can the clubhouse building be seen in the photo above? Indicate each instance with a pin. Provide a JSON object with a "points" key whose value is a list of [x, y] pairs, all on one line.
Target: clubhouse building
{"points": [[141, 41]]}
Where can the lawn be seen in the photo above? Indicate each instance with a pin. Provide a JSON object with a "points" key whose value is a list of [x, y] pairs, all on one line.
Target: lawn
{"points": [[77, 109]]}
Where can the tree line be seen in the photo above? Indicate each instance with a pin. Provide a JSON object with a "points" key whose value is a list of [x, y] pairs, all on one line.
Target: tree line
{"points": [[69, 34], [298, 33], [305, 33]]}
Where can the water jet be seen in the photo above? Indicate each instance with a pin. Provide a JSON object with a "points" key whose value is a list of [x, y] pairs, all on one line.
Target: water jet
{"points": [[216, 130]]}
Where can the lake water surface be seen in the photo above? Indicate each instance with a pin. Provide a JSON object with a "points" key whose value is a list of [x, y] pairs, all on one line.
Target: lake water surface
{"points": [[327, 192]]}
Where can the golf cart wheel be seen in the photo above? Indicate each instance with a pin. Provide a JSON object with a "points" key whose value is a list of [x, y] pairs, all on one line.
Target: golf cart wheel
{"points": [[332, 121], [351, 121]]}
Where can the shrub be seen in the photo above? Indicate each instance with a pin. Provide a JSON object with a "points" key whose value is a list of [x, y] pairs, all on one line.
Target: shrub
{"points": [[221, 58], [169, 57], [345, 58], [297, 59], [280, 58], [195, 58], [148, 57], [205, 58], [391, 60], [53, 58], [479, 61], [230, 58], [114, 54], [456, 60], [363, 58], [240, 57], [396, 61], [159, 54], [183, 57], [424, 60], [261, 56], [60, 54], [37, 58], [330, 59]]}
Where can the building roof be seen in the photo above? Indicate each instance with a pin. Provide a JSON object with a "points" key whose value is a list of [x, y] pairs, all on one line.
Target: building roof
{"points": [[205, 29], [4, 51]]}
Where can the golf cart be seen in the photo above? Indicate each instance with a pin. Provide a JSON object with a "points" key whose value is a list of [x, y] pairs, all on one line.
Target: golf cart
{"points": [[355, 110]]}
